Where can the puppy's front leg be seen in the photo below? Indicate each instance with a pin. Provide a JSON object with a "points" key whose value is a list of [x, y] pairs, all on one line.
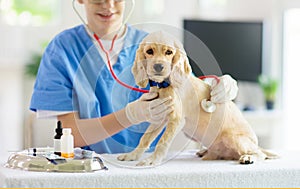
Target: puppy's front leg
{"points": [[151, 133], [173, 127]]}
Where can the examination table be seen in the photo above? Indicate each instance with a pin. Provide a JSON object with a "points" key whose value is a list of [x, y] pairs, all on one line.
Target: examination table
{"points": [[184, 170]]}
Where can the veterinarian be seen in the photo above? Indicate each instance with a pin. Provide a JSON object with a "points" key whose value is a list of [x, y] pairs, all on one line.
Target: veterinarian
{"points": [[75, 86]]}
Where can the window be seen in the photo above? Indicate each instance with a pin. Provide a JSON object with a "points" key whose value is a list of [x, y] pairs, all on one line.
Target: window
{"points": [[29, 12]]}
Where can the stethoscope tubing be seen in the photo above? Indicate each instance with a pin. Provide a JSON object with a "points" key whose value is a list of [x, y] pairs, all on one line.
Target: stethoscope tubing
{"points": [[106, 52], [96, 37]]}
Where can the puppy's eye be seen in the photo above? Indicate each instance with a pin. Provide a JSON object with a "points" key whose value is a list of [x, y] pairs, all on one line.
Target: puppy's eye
{"points": [[169, 52], [149, 51]]}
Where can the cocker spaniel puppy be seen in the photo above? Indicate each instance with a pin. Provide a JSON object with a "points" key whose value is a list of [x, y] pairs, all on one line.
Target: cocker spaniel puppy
{"points": [[162, 62]]}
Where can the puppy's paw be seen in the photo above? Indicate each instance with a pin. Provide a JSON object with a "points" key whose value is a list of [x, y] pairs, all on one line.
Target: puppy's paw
{"points": [[201, 152], [246, 159], [128, 157], [149, 162]]}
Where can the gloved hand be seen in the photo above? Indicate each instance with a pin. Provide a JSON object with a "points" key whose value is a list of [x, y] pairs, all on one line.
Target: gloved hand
{"points": [[148, 108], [224, 91]]}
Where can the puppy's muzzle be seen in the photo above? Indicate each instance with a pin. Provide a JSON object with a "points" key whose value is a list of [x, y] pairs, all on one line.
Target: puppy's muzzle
{"points": [[158, 67]]}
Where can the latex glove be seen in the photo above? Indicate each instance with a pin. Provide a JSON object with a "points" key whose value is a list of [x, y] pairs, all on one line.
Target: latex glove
{"points": [[148, 108], [224, 91]]}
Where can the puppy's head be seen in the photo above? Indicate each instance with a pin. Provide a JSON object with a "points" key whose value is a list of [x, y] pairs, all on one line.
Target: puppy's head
{"points": [[156, 58]]}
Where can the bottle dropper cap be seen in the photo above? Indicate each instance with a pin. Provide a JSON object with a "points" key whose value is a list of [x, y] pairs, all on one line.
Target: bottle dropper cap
{"points": [[59, 128]]}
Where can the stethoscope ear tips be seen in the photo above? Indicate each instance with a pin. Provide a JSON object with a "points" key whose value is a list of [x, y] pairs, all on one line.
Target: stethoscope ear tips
{"points": [[208, 106]]}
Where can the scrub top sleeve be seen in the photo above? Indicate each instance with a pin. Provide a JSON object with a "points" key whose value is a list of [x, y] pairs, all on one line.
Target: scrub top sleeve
{"points": [[53, 87]]}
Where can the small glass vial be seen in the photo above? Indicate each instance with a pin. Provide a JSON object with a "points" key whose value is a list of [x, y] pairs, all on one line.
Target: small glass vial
{"points": [[67, 143]]}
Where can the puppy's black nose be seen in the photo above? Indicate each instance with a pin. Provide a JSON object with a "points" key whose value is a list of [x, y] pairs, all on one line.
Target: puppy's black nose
{"points": [[158, 67]]}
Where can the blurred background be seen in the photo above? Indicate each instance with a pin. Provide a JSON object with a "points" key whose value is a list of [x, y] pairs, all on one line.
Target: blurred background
{"points": [[26, 26]]}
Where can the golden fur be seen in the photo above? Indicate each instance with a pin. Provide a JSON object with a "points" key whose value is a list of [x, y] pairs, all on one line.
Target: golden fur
{"points": [[225, 132]]}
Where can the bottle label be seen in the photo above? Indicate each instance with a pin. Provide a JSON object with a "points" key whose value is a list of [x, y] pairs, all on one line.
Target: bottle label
{"points": [[57, 145]]}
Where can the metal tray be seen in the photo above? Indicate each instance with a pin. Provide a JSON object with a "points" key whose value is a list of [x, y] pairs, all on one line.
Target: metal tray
{"points": [[41, 163]]}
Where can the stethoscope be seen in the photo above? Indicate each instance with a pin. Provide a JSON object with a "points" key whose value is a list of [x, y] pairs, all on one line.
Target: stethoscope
{"points": [[106, 52], [206, 104]]}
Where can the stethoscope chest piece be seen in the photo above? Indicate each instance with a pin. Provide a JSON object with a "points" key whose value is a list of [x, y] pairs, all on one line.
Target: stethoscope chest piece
{"points": [[208, 106]]}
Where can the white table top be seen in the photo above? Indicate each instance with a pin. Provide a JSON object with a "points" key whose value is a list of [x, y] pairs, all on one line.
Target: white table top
{"points": [[185, 170]]}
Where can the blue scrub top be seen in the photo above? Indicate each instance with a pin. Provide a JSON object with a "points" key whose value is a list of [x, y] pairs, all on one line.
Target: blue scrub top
{"points": [[73, 77]]}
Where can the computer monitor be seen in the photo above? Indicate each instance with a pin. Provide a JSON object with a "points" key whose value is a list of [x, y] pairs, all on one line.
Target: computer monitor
{"points": [[236, 46]]}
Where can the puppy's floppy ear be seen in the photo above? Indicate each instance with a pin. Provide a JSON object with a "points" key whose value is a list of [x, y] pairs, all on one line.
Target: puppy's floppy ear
{"points": [[186, 65], [181, 69], [138, 69], [180, 57], [176, 57]]}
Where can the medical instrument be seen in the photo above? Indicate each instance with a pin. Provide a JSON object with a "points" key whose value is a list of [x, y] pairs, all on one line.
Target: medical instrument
{"points": [[38, 151], [80, 153], [112, 43], [55, 159], [206, 104]]}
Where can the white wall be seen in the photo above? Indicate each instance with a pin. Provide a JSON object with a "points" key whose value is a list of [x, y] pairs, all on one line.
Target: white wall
{"points": [[18, 42], [11, 106], [16, 45]]}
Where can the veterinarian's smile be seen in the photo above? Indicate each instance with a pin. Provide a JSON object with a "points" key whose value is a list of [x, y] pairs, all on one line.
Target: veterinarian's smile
{"points": [[105, 16]]}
